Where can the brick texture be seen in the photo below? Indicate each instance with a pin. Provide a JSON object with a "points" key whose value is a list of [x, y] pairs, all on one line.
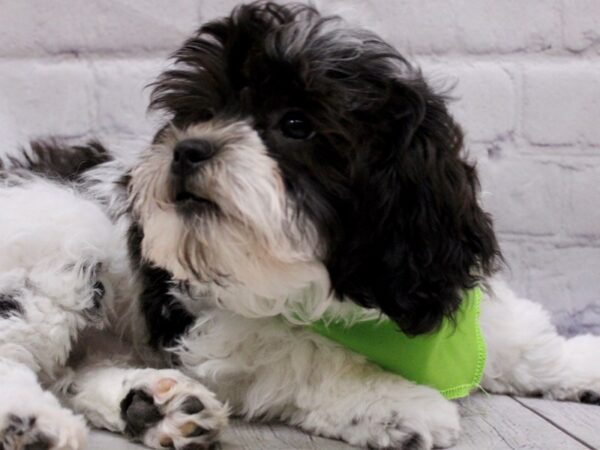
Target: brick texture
{"points": [[566, 96], [43, 98], [40, 27], [581, 18], [527, 92]]}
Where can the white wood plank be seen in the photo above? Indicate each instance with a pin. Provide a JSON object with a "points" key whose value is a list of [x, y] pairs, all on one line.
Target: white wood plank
{"points": [[499, 423], [245, 436], [239, 436], [104, 440], [581, 421]]}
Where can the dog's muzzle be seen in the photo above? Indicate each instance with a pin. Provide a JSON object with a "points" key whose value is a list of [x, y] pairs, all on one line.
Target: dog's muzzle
{"points": [[189, 156]]}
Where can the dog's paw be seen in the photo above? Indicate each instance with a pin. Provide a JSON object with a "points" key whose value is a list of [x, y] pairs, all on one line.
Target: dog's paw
{"points": [[49, 428], [389, 425], [589, 398], [415, 422], [585, 396], [166, 409]]}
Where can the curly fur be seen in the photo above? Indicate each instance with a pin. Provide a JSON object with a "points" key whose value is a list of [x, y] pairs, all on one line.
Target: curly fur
{"points": [[65, 280]]}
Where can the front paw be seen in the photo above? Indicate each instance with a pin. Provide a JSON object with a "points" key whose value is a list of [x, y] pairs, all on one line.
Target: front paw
{"points": [[420, 422], [165, 409], [49, 427]]}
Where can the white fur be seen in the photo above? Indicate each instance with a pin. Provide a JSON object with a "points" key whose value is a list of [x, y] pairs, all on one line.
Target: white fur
{"points": [[55, 246], [57, 243], [29, 414], [527, 355], [270, 369]]}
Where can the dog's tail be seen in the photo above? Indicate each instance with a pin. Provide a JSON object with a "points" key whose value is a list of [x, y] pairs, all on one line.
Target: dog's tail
{"points": [[52, 159]]}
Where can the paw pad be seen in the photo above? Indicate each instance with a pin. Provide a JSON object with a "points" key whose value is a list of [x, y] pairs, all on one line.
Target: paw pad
{"points": [[172, 411], [190, 429], [139, 412], [166, 442], [192, 405], [163, 386]]}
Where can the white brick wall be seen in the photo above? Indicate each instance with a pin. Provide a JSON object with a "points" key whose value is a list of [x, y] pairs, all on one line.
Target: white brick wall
{"points": [[528, 96]]}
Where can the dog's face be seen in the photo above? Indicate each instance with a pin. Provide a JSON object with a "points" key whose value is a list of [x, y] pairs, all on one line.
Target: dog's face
{"points": [[297, 145]]}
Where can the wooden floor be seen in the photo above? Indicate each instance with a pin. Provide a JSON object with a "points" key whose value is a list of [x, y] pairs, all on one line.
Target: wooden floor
{"points": [[489, 423]]}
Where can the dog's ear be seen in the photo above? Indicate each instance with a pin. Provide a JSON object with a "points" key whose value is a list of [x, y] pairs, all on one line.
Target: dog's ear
{"points": [[418, 237]]}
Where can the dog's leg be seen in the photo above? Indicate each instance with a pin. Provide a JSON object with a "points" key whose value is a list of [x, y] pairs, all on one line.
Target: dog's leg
{"points": [[528, 357], [31, 418], [161, 408], [41, 315], [268, 369], [367, 407]]}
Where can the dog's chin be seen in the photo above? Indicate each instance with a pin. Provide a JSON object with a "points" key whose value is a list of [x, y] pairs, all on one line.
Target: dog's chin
{"points": [[189, 204]]}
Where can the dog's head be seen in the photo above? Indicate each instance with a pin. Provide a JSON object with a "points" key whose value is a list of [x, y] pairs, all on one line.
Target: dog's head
{"points": [[295, 143]]}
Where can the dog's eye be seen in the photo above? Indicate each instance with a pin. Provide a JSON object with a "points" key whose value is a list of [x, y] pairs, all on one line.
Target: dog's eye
{"points": [[296, 125]]}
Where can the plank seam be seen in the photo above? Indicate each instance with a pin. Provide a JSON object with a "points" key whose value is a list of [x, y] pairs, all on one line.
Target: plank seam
{"points": [[554, 424]]}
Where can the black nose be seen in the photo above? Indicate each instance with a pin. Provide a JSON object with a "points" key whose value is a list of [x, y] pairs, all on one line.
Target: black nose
{"points": [[190, 154]]}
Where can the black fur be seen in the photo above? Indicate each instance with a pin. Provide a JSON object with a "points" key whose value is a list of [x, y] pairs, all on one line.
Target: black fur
{"points": [[62, 162], [385, 177], [9, 306], [417, 236], [166, 318]]}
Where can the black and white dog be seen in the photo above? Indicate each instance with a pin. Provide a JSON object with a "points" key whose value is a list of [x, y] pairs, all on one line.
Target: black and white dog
{"points": [[306, 168]]}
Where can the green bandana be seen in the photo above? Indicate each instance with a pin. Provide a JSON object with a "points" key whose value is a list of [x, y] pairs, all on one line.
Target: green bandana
{"points": [[450, 360]]}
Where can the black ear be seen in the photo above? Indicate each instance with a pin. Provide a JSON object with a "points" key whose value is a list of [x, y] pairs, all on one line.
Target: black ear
{"points": [[419, 237]]}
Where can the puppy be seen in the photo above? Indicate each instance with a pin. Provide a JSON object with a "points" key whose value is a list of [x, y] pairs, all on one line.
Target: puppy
{"points": [[307, 175], [309, 171]]}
